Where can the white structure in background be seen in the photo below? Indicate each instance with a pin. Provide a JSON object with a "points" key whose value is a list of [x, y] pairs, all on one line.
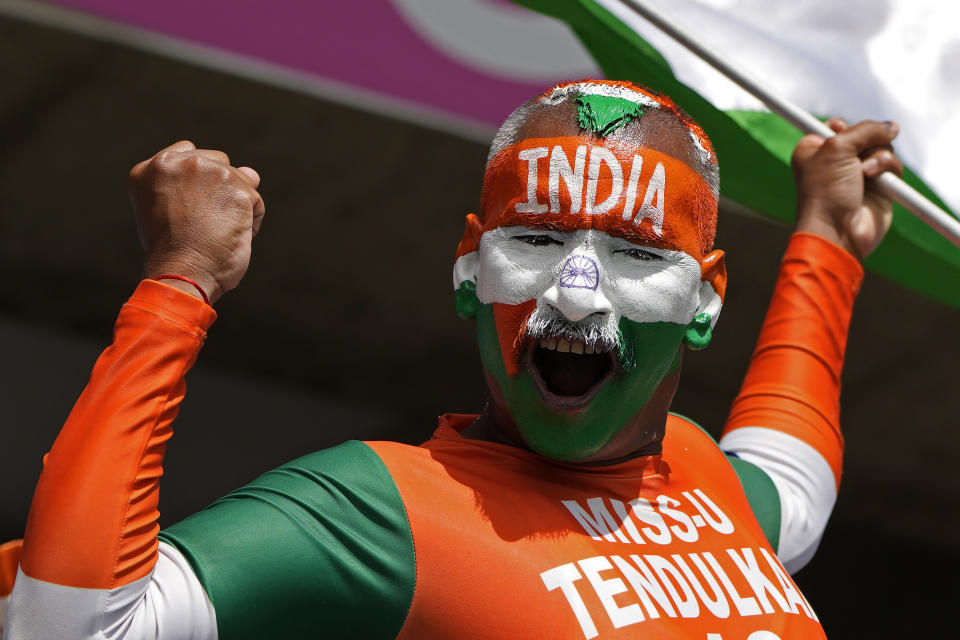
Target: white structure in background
{"points": [[499, 39]]}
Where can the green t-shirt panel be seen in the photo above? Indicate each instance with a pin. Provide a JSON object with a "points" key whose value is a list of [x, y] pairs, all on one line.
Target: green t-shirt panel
{"points": [[319, 547]]}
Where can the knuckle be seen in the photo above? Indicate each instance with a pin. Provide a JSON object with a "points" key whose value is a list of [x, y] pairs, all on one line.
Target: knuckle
{"points": [[193, 163], [224, 174], [165, 157], [136, 172], [164, 163], [241, 197]]}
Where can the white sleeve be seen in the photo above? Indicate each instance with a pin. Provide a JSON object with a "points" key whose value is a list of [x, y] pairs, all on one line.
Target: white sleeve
{"points": [[3, 613], [168, 604], [804, 482]]}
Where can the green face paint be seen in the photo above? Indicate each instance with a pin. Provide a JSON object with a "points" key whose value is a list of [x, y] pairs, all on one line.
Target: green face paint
{"points": [[466, 303], [575, 435], [698, 333]]}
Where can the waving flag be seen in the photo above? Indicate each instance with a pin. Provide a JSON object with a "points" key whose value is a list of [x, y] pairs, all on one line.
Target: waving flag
{"points": [[894, 60]]}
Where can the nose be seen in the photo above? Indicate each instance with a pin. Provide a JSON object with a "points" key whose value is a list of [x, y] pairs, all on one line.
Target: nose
{"points": [[577, 292]]}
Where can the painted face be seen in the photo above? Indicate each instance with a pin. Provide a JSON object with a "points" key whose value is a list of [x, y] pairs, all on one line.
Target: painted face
{"points": [[586, 273], [581, 329]]}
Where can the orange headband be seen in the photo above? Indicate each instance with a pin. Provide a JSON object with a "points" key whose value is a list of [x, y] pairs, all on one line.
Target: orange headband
{"points": [[578, 182]]}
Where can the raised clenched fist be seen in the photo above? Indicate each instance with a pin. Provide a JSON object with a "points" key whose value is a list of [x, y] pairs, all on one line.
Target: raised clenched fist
{"points": [[196, 216], [832, 200]]}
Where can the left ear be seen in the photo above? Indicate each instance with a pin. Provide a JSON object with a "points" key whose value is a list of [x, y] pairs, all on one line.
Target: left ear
{"points": [[713, 286]]}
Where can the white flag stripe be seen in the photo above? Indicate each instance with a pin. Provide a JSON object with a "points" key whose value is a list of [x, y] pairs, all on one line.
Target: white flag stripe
{"points": [[860, 59]]}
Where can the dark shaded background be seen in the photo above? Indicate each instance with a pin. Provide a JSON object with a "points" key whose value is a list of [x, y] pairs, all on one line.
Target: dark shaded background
{"points": [[344, 326]]}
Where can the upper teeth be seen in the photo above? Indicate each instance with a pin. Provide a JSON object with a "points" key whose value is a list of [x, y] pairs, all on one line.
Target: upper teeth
{"points": [[566, 346]]}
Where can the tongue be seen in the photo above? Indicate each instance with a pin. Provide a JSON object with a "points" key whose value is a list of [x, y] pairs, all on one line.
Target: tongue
{"points": [[570, 374]]}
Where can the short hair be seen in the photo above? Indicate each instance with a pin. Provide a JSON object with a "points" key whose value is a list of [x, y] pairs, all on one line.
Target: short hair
{"points": [[509, 131]]}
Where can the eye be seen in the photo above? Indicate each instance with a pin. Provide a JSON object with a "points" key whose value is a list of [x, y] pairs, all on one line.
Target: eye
{"points": [[639, 254], [538, 240]]}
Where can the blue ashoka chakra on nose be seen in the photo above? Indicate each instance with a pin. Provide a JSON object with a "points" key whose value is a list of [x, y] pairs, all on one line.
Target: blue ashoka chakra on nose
{"points": [[580, 272]]}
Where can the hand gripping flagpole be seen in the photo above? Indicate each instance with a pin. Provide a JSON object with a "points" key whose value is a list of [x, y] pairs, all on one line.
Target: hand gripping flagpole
{"points": [[890, 184]]}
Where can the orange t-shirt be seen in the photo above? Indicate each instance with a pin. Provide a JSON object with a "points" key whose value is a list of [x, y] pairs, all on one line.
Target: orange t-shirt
{"points": [[512, 545]]}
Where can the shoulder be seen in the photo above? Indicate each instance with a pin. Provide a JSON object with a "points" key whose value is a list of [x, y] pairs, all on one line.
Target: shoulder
{"points": [[758, 488], [684, 433], [329, 526]]}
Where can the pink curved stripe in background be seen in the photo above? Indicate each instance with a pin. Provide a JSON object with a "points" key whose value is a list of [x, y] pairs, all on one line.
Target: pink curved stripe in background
{"points": [[366, 44]]}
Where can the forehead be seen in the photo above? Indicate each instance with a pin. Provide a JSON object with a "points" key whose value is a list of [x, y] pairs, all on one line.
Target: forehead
{"points": [[656, 129], [582, 182]]}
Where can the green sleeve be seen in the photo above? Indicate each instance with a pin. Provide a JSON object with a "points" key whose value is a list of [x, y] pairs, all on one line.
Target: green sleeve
{"points": [[319, 547], [762, 495], [760, 491]]}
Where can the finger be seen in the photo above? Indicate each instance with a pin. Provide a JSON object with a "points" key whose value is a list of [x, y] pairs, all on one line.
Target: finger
{"points": [[806, 147], [183, 145], [864, 135], [866, 153], [259, 211], [163, 155], [882, 160], [215, 155], [837, 124], [251, 175]]}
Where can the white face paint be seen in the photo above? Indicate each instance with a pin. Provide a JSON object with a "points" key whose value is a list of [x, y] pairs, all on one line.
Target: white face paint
{"points": [[587, 272]]}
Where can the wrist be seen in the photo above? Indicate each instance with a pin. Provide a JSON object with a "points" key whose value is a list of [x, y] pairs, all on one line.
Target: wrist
{"points": [[812, 253], [195, 281], [824, 224], [184, 284]]}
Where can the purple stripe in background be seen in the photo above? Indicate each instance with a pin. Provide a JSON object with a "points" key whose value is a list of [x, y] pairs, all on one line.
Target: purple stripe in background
{"points": [[363, 43]]}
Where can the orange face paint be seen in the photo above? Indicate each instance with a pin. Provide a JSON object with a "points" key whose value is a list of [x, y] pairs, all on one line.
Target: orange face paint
{"points": [[579, 182]]}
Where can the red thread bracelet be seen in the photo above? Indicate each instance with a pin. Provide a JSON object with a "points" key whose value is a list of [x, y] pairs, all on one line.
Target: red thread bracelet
{"points": [[203, 294]]}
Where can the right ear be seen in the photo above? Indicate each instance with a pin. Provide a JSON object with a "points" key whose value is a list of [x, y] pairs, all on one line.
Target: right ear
{"points": [[465, 268]]}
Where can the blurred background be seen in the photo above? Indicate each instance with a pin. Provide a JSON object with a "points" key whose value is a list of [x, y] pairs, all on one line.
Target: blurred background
{"points": [[371, 142]]}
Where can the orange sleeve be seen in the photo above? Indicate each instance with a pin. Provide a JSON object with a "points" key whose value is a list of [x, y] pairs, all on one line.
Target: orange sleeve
{"points": [[93, 519], [793, 384], [9, 559]]}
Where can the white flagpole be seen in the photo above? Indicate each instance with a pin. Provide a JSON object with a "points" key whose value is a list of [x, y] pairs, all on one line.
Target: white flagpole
{"points": [[895, 188]]}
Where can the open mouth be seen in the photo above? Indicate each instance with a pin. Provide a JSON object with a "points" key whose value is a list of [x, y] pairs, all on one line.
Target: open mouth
{"points": [[568, 374]]}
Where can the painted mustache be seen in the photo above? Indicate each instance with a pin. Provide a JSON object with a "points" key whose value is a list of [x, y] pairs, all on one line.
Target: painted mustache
{"points": [[546, 323]]}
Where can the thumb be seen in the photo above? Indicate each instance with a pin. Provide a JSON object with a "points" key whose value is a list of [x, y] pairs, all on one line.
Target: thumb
{"points": [[806, 147]]}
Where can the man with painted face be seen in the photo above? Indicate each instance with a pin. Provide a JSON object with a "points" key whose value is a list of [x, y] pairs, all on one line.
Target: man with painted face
{"points": [[576, 506], [594, 274]]}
